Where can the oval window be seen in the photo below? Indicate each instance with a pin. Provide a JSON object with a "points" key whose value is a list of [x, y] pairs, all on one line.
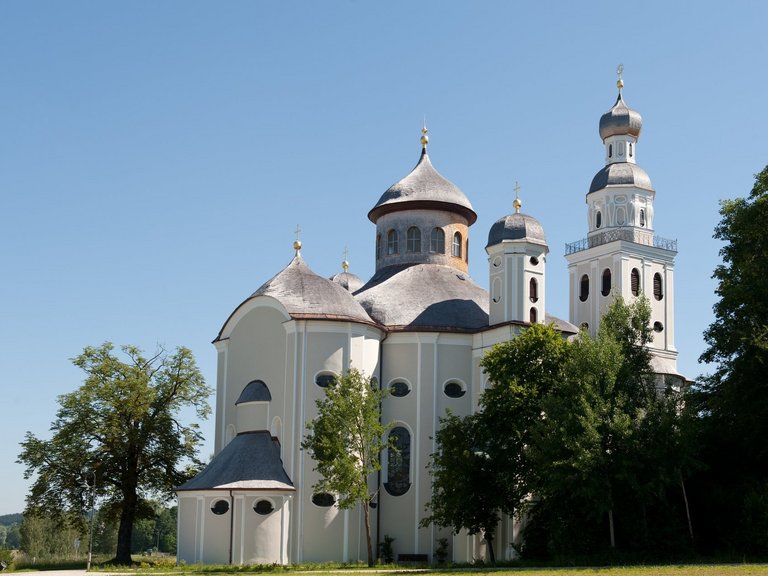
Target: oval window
{"points": [[598, 219], [606, 289], [220, 507], [634, 283], [325, 379], [454, 390], [658, 287], [399, 389], [263, 507], [323, 499]]}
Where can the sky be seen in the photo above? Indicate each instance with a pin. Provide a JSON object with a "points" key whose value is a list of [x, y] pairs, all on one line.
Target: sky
{"points": [[156, 157]]}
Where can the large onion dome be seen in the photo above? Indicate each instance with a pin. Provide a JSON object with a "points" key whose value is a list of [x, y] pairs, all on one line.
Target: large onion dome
{"points": [[620, 120]]}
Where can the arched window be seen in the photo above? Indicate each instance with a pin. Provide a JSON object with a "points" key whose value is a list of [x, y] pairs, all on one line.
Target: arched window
{"points": [[398, 462], [598, 219], [466, 251], [457, 244], [630, 149], [392, 242], [658, 287], [378, 246], [610, 150], [533, 290], [437, 241], [533, 316], [606, 288], [584, 288], [634, 281], [413, 240], [642, 217]]}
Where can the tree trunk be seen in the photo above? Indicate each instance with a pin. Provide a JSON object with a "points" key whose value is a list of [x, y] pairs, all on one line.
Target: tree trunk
{"points": [[610, 527], [366, 514], [125, 530], [687, 510], [489, 540]]}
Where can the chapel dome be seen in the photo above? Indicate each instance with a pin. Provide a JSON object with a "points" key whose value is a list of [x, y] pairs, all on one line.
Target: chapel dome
{"points": [[304, 294], [620, 120], [350, 282], [396, 298], [516, 227], [621, 174], [423, 187]]}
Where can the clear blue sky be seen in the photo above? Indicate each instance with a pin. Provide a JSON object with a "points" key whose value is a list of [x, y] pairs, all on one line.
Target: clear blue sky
{"points": [[156, 157]]}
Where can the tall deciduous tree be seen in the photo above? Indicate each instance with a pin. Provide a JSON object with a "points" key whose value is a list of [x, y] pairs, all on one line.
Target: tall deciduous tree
{"points": [[121, 428], [733, 401], [345, 441]]}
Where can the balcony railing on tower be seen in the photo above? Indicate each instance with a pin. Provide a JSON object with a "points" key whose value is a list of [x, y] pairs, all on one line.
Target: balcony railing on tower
{"points": [[626, 234]]}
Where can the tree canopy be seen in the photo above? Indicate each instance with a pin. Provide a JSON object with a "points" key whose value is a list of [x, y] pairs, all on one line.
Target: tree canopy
{"points": [[576, 436], [732, 402], [119, 437], [345, 441]]}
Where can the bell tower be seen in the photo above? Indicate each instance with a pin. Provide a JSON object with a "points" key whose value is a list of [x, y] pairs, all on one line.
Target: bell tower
{"points": [[622, 255]]}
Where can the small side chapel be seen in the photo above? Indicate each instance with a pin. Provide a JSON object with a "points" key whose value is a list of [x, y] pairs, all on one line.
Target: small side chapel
{"points": [[420, 326]]}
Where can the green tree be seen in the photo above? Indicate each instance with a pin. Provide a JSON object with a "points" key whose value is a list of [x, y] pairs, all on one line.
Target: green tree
{"points": [[345, 440], [464, 480], [482, 464], [732, 402], [122, 425]]}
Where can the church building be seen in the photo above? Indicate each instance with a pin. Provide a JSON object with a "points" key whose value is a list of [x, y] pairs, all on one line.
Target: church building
{"points": [[420, 326]]}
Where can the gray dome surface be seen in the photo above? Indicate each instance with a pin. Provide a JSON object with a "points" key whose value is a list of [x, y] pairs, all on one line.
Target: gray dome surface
{"points": [[425, 297], [516, 227], [304, 294], [621, 174], [424, 187], [250, 461], [348, 281], [620, 119]]}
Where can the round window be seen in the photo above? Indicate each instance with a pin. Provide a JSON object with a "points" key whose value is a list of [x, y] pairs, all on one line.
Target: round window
{"points": [[323, 499], [534, 261], [454, 390], [658, 326], [399, 389], [220, 507], [263, 507], [324, 380]]}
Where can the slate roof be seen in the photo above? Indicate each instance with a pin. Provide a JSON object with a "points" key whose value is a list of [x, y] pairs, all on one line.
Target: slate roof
{"points": [[425, 297], [620, 119], [350, 282], [304, 294], [424, 187], [250, 461], [621, 174], [516, 227]]}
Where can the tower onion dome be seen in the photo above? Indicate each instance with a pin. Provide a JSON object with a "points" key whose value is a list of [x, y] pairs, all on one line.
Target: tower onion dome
{"points": [[621, 174], [620, 120], [423, 188], [516, 227]]}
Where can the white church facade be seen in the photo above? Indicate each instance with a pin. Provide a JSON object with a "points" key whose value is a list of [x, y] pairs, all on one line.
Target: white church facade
{"points": [[420, 326]]}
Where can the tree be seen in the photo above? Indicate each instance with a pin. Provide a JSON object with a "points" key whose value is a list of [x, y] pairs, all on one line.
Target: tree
{"points": [[483, 459], [119, 435], [732, 403], [345, 441]]}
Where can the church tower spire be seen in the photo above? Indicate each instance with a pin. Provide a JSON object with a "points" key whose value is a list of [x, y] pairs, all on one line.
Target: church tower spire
{"points": [[621, 255]]}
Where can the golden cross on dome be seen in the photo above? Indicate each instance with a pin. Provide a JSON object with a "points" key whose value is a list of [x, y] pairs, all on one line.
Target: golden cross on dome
{"points": [[297, 242], [620, 74], [517, 204]]}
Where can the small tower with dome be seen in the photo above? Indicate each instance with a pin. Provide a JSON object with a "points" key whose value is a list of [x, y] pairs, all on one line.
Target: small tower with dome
{"points": [[621, 255], [517, 253]]}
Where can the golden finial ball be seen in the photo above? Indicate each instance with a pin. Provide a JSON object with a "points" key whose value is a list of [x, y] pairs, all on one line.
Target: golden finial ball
{"points": [[424, 138], [619, 83], [297, 245], [345, 265], [516, 204]]}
